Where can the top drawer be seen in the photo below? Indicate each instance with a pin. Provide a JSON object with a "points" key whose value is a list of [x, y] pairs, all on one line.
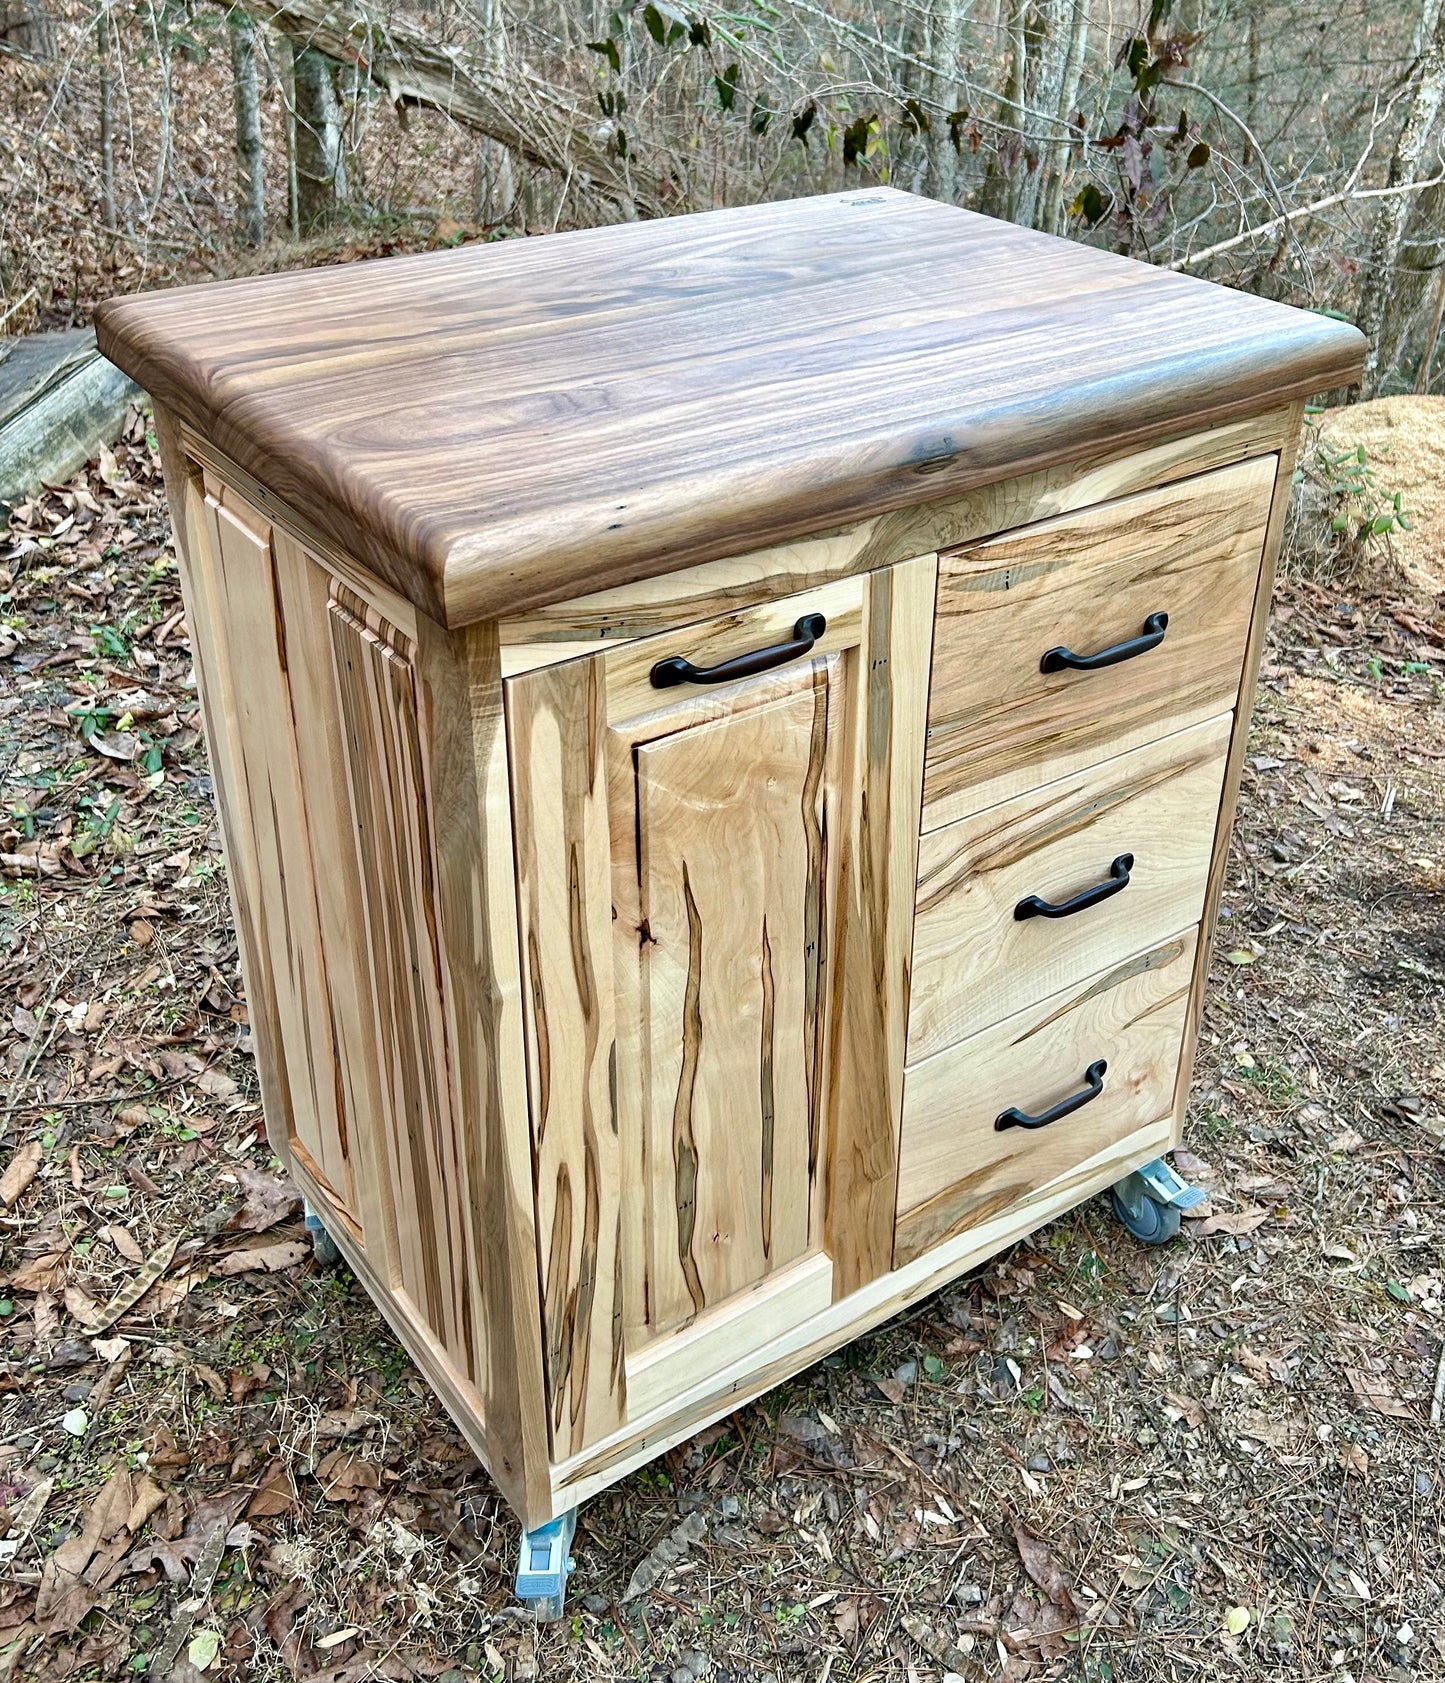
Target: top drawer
{"points": [[1088, 582]]}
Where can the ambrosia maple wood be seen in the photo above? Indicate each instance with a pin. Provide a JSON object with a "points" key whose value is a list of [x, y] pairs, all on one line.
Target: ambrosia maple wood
{"points": [[640, 1041]]}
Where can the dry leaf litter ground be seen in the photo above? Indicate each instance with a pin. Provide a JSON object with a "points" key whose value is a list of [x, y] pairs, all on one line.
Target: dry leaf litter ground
{"points": [[1218, 1459]]}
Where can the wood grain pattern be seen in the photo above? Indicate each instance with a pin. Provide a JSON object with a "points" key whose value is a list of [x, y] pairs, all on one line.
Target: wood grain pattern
{"points": [[956, 1169], [565, 630], [997, 725], [384, 759], [752, 1370], [239, 585], [780, 1303], [760, 842], [562, 838], [736, 826], [1223, 827], [724, 382], [214, 678], [477, 915], [974, 962], [880, 870], [303, 592]]}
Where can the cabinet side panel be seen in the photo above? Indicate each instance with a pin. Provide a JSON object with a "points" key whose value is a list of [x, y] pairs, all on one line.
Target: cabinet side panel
{"points": [[303, 596], [1244, 707], [880, 872], [559, 781], [241, 587], [393, 848], [213, 683]]}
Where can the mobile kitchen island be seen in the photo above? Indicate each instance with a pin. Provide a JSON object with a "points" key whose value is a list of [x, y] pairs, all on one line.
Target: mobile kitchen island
{"points": [[726, 732]]}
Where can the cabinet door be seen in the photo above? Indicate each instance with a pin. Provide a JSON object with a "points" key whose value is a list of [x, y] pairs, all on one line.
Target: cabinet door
{"points": [[715, 884]]}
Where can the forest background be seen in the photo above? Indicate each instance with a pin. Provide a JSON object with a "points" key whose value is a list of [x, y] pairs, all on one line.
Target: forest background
{"points": [[1289, 147]]}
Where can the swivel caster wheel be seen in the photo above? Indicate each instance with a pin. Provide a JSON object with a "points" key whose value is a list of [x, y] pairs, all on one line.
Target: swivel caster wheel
{"points": [[544, 1564], [1151, 1222], [323, 1246], [1151, 1200]]}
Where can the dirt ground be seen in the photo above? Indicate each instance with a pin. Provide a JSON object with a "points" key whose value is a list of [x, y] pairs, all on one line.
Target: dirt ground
{"points": [[1220, 1459]]}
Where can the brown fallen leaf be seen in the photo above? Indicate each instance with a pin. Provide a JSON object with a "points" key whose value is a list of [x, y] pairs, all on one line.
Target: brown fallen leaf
{"points": [[1236, 1223], [665, 1554], [1376, 1394], [1256, 1366], [46, 1322], [40, 1273], [105, 1386], [1354, 1460], [134, 1290], [269, 1199], [124, 1242], [217, 1084], [268, 1259], [275, 1492], [123, 745], [197, 1544], [147, 1498], [22, 1168], [64, 1598], [1043, 1567], [1192, 1410], [345, 1473], [83, 1307]]}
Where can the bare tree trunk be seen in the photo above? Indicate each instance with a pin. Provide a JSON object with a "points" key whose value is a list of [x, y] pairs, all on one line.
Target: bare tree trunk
{"points": [[496, 184], [1052, 216], [287, 57], [947, 45], [1393, 215], [1432, 333], [250, 185], [1050, 37], [320, 177], [997, 196], [107, 119]]}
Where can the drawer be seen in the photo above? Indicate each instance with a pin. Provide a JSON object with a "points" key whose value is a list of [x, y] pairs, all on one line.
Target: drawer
{"points": [[957, 1168], [975, 961], [999, 725]]}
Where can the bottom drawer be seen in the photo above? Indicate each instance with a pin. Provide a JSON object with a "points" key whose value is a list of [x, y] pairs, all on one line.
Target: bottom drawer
{"points": [[957, 1167]]}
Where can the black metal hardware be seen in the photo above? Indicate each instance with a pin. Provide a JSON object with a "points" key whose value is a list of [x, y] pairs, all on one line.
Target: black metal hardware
{"points": [[1015, 1118], [679, 671], [1058, 660], [1115, 883]]}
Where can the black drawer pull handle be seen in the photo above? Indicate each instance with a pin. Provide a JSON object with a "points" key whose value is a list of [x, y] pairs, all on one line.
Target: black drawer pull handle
{"points": [[1115, 883], [1015, 1118], [679, 671], [1058, 660]]}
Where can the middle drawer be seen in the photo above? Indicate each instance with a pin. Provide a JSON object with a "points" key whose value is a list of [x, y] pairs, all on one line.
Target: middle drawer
{"points": [[1101, 864]]}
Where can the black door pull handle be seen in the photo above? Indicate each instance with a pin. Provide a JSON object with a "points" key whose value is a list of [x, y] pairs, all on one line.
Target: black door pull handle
{"points": [[679, 671], [1015, 1118], [1115, 883], [1059, 660]]}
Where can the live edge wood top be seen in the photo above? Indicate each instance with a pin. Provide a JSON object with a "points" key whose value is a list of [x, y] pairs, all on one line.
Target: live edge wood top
{"points": [[502, 426]]}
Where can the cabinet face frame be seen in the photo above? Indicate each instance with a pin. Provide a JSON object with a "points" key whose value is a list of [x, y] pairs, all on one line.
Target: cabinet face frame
{"points": [[609, 778]]}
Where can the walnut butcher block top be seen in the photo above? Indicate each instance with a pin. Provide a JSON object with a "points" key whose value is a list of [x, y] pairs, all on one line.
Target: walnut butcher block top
{"points": [[506, 425]]}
